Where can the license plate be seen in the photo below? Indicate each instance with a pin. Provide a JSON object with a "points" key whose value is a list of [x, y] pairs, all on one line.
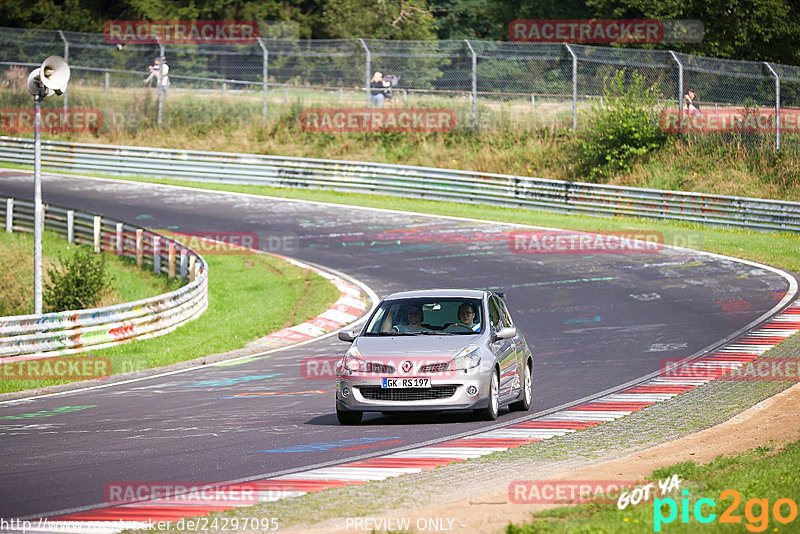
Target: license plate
{"points": [[391, 383]]}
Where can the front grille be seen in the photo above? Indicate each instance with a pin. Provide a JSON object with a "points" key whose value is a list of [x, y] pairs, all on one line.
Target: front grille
{"points": [[407, 394], [435, 367], [379, 368]]}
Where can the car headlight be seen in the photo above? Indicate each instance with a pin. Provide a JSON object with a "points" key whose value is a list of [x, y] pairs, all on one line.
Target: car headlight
{"points": [[467, 358], [354, 362]]}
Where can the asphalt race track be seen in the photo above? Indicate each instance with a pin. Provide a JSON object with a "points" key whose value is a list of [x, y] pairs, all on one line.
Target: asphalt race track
{"points": [[596, 321]]}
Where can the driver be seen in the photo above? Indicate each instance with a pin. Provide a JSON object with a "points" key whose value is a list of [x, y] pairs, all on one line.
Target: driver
{"points": [[466, 317], [414, 320]]}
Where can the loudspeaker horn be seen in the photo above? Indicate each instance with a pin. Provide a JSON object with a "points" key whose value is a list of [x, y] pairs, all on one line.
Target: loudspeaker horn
{"points": [[55, 73]]}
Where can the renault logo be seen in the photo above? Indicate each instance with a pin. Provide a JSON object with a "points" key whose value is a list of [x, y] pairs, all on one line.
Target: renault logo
{"points": [[406, 367]]}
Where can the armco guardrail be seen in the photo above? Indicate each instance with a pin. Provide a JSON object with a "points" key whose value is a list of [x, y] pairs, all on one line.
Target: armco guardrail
{"points": [[408, 181], [68, 332]]}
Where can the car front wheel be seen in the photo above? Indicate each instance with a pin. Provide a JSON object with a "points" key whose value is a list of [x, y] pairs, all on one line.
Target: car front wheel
{"points": [[490, 412], [348, 418]]}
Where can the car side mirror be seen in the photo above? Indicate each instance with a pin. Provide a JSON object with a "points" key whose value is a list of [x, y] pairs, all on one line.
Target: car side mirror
{"points": [[505, 333], [347, 335]]}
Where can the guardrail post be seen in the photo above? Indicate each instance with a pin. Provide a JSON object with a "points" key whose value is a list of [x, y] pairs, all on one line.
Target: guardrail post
{"points": [[157, 254], [139, 252], [474, 93], [367, 70], [192, 262], [777, 106], [70, 226], [680, 90], [265, 80], [96, 233], [9, 215], [171, 260], [574, 86], [184, 262], [118, 247]]}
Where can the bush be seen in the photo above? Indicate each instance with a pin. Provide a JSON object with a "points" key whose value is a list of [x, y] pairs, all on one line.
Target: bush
{"points": [[77, 282], [623, 130]]}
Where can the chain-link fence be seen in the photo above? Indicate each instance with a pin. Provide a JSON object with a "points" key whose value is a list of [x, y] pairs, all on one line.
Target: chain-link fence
{"points": [[485, 84]]}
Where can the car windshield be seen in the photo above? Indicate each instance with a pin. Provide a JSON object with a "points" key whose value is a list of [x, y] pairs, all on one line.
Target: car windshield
{"points": [[434, 316]]}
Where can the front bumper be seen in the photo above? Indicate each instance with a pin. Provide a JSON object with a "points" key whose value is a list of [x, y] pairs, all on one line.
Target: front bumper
{"points": [[366, 394]]}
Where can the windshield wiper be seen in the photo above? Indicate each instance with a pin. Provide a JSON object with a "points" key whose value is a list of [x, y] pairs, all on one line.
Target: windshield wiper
{"points": [[437, 333], [391, 333]]}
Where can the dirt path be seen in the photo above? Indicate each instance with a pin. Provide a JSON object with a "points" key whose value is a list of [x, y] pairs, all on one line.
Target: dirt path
{"points": [[774, 421]]}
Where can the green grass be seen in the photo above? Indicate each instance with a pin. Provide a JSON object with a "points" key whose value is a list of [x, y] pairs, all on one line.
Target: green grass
{"points": [[16, 280], [762, 473], [249, 297]]}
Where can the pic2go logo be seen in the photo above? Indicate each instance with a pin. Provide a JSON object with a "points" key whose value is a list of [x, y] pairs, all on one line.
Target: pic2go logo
{"points": [[783, 510]]}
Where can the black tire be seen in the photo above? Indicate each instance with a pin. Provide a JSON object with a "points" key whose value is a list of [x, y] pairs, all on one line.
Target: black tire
{"points": [[348, 418], [490, 412], [524, 403]]}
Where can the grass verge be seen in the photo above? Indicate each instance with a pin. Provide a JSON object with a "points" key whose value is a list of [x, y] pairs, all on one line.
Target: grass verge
{"points": [[249, 297], [16, 279], [759, 479]]}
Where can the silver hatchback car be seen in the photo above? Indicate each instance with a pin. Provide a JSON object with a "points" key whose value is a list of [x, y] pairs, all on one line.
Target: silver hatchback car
{"points": [[433, 350]]}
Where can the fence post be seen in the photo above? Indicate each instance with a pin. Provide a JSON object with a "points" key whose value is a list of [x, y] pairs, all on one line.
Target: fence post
{"points": [[106, 80], [265, 79], [474, 93], [9, 215], [368, 68], [533, 103], [171, 259], [159, 81], [139, 251], [777, 106], [66, 58], [574, 86], [680, 90], [157, 254], [96, 233], [118, 245], [70, 226]]}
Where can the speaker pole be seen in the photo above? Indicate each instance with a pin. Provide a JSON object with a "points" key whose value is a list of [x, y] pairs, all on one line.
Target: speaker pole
{"points": [[37, 205]]}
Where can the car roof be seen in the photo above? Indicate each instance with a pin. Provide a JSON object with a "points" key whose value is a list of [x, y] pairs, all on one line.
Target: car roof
{"points": [[437, 293]]}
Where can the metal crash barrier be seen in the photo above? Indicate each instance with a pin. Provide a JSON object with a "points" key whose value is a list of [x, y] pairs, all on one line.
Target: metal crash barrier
{"points": [[69, 332], [409, 181]]}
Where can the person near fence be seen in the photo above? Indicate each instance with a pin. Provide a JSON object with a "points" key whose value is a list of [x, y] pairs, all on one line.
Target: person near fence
{"points": [[159, 65], [690, 101], [378, 89]]}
